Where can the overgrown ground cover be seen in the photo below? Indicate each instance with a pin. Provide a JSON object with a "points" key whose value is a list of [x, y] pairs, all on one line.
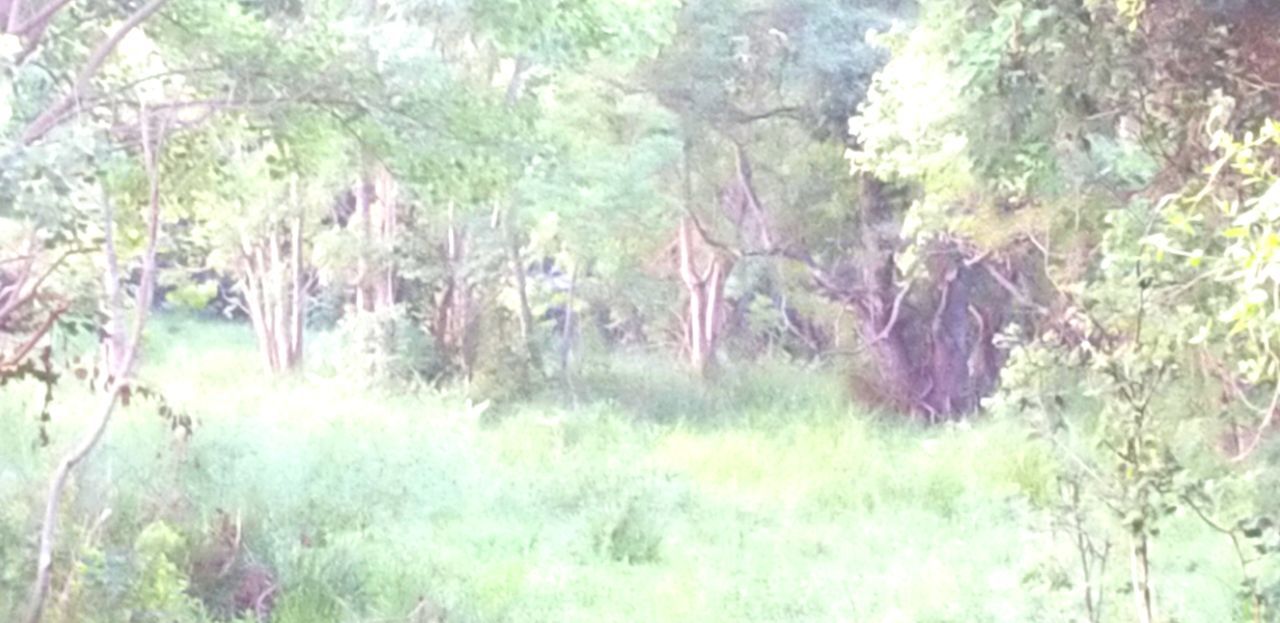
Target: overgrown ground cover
{"points": [[652, 499]]}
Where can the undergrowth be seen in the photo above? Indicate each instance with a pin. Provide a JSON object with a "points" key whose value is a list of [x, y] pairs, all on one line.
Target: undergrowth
{"points": [[641, 497]]}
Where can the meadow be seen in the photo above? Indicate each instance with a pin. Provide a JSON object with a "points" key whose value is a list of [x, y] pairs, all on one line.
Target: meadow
{"points": [[766, 497]]}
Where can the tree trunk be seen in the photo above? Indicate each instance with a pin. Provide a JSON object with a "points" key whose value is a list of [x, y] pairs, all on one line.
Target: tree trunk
{"points": [[898, 381], [705, 288], [255, 302], [453, 322], [525, 316], [885, 314], [930, 342], [364, 222], [121, 380], [115, 340], [950, 335], [377, 220], [566, 335], [703, 270], [297, 301], [275, 296], [384, 293], [280, 313], [1140, 575]]}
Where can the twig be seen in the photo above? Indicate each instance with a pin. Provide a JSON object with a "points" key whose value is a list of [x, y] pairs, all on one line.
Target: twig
{"points": [[21, 353], [23, 299], [1013, 290], [1267, 421], [893, 315]]}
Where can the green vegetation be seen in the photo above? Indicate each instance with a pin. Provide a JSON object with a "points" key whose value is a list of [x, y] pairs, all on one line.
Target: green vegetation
{"points": [[639, 310], [767, 501]]}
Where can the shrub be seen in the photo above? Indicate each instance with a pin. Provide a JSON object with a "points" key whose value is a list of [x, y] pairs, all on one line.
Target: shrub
{"points": [[376, 348]]}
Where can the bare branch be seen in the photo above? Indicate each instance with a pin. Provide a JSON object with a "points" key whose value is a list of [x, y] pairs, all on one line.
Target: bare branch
{"points": [[1013, 290], [14, 360], [790, 112], [893, 315], [1266, 424], [22, 299], [35, 21], [186, 71], [49, 118], [14, 290]]}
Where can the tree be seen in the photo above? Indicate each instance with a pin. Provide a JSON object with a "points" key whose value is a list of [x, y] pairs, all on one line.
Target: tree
{"points": [[119, 378], [1092, 162], [744, 80]]}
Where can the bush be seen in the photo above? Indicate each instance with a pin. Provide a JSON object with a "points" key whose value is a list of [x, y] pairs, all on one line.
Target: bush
{"points": [[377, 348], [503, 372], [160, 591]]}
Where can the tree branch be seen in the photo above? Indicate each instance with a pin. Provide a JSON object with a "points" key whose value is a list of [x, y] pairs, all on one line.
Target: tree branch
{"points": [[33, 22], [120, 381], [48, 119], [791, 112], [15, 10], [1013, 290], [22, 299], [21, 353], [1267, 421], [893, 315]]}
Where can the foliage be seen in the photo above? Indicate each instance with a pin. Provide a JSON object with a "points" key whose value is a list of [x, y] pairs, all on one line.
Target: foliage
{"points": [[381, 348], [528, 517], [1089, 186], [1068, 128], [161, 592]]}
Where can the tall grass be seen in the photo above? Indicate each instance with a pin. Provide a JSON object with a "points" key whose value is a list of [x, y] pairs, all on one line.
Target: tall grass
{"points": [[644, 497]]}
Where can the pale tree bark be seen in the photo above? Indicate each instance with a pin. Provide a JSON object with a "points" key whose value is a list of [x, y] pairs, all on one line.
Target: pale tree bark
{"points": [[14, 14], [252, 268], [385, 215], [280, 314], [454, 314], [567, 336], [363, 220], [115, 342], [703, 272], [298, 300], [377, 219], [703, 268], [121, 379], [273, 284]]}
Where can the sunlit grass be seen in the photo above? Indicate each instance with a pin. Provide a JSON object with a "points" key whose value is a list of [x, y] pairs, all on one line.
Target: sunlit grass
{"points": [[765, 499]]}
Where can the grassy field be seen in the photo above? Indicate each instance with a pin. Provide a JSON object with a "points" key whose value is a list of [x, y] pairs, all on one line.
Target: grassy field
{"points": [[652, 498]]}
